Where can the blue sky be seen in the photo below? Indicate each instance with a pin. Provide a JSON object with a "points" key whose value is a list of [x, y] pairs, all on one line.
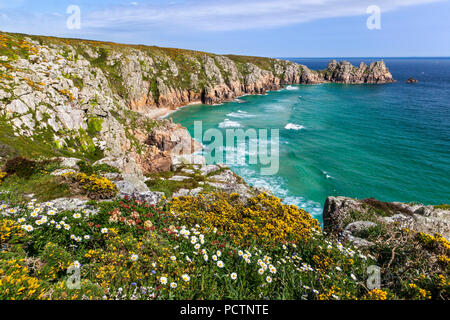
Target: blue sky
{"points": [[283, 28]]}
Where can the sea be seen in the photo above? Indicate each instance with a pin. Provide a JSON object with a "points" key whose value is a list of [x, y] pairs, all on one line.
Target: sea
{"points": [[390, 141]]}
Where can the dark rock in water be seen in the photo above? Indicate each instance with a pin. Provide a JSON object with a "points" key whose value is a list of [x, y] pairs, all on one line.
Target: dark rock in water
{"points": [[412, 80]]}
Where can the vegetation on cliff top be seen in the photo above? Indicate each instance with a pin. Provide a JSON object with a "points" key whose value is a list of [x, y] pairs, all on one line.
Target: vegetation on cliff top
{"points": [[131, 250]]}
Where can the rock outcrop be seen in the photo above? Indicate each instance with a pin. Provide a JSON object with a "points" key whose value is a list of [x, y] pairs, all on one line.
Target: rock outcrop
{"points": [[346, 217], [345, 72], [412, 80]]}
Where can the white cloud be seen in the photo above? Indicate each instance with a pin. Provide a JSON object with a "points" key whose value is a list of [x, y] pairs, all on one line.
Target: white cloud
{"points": [[235, 15]]}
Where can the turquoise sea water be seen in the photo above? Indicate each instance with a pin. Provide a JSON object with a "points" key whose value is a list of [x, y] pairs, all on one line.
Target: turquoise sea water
{"points": [[390, 142]]}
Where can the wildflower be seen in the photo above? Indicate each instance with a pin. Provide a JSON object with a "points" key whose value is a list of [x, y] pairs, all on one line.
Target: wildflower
{"points": [[104, 230], [338, 268], [353, 277], [261, 271], [186, 278], [214, 257], [205, 257], [51, 212], [197, 246], [28, 228], [77, 216], [315, 291], [76, 264], [269, 279], [220, 264], [272, 269], [219, 253], [173, 285], [234, 276], [87, 237], [67, 227], [240, 253], [173, 258], [134, 257], [163, 280]]}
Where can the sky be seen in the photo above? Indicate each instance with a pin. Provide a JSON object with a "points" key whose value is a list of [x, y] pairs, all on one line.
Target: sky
{"points": [[283, 28]]}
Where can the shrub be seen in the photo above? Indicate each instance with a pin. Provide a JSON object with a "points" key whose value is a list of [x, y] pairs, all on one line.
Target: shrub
{"points": [[376, 294], [16, 282], [21, 167], [264, 218], [10, 232], [95, 187], [96, 169], [2, 175]]}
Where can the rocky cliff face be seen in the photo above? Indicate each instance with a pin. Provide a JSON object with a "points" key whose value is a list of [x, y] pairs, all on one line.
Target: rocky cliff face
{"points": [[97, 100]]}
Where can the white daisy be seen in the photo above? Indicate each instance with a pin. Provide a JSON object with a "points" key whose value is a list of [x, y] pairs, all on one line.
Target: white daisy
{"points": [[134, 257], [186, 278]]}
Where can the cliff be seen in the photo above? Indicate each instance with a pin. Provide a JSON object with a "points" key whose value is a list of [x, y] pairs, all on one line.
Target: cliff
{"points": [[95, 100]]}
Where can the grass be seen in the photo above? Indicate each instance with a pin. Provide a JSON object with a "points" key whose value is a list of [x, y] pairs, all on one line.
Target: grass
{"points": [[160, 181], [43, 187]]}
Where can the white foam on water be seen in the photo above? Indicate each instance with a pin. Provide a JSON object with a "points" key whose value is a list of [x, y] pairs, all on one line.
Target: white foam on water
{"points": [[313, 208], [239, 114], [277, 186], [227, 123], [327, 174], [291, 88], [293, 126]]}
